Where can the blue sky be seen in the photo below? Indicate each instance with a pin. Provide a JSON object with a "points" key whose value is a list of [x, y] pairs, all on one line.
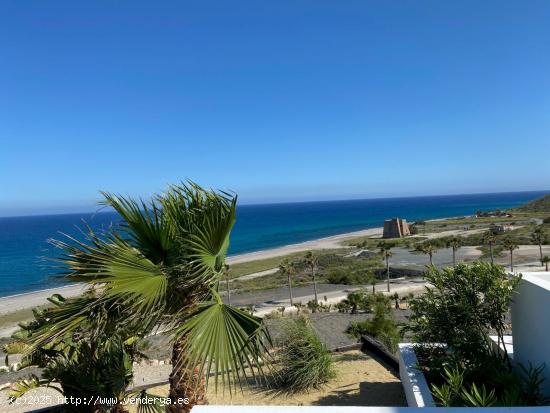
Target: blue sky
{"points": [[280, 100]]}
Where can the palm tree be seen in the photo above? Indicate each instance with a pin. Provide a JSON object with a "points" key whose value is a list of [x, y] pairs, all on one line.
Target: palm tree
{"points": [[371, 279], [489, 238], [311, 260], [429, 248], [510, 245], [455, 243], [545, 260], [287, 268], [385, 251], [538, 237], [162, 266], [227, 275]]}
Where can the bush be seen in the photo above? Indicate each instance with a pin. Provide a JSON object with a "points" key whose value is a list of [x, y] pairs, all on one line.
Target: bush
{"points": [[381, 326], [356, 272], [462, 305], [305, 361], [503, 388], [546, 220], [83, 365]]}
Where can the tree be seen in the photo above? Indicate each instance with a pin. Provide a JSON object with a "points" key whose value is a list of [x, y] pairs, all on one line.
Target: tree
{"points": [[385, 251], [287, 268], [429, 248], [455, 243], [545, 260], [489, 239], [461, 307], [510, 245], [162, 266], [80, 365], [372, 280], [538, 237], [311, 260]]}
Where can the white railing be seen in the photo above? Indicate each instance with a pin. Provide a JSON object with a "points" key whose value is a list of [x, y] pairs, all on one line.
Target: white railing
{"points": [[354, 409]]}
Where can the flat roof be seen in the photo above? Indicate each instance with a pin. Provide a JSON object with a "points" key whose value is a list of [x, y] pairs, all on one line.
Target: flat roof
{"points": [[541, 279]]}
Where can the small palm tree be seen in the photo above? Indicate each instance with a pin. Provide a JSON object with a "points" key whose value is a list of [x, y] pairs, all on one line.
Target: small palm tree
{"points": [[429, 248], [372, 280], [510, 245], [162, 266], [385, 251], [311, 260], [455, 243], [287, 268], [489, 239], [538, 236], [545, 260]]}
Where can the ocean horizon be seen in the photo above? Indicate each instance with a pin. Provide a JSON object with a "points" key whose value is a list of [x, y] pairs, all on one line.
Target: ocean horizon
{"points": [[24, 248]]}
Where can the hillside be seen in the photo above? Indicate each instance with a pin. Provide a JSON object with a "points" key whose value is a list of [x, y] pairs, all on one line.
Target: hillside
{"points": [[538, 205]]}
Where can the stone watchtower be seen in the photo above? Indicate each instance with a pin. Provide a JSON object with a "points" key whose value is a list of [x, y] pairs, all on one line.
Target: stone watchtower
{"points": [[396, 228]]}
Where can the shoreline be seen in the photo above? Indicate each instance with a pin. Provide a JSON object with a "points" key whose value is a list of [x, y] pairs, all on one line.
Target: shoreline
{"points": [[23, 301]]}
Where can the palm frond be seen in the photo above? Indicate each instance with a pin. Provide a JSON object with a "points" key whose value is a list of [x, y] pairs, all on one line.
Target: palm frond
{"points": [[210, 241], [23, 386], [156, 405], [225, 342], [144, 224]]}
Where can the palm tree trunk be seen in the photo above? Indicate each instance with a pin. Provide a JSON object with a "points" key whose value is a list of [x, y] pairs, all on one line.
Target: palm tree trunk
{"points": [[511, 261], [491, 251], [454, 257], [290, 290], [388, 272], [431, 259], [187, 388], [546, 266], [540, 249], [314, 285]]}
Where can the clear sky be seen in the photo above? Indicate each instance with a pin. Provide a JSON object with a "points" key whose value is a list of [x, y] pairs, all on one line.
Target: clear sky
{"points": [[277, 100]]}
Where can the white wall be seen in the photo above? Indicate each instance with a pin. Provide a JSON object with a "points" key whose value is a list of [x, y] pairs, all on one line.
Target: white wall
{"points": [[531, 323], [414, 383]]}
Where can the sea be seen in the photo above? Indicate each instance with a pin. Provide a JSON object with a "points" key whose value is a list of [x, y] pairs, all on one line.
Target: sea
{"points": [[25, 251]]}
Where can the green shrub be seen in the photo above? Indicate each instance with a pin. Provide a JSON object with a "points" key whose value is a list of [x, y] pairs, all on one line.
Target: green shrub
{"points": [[381, 326], [501, 388], [460, 307], [305, 361]]}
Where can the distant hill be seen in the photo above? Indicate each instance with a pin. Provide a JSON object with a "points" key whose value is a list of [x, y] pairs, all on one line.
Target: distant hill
{"points": [[538, 205]]}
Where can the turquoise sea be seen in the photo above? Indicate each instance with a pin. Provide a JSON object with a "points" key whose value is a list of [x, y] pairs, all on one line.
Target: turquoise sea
{"points": [[23, 240]]}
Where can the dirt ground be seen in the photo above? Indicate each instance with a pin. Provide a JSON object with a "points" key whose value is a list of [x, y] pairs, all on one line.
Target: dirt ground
{"points": [[361, 381]]}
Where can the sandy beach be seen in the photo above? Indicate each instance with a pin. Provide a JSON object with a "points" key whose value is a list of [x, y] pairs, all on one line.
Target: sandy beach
{"points": [[14, 303]]}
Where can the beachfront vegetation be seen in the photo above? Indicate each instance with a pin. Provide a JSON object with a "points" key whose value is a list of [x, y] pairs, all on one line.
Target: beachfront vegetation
{"points": [[451, 323], [385, 252], [510, 244], [79, 364], [162, 267], [382, 326], [460, 307], [288, 270], [305, 362], [429, 247], [311, 260]]}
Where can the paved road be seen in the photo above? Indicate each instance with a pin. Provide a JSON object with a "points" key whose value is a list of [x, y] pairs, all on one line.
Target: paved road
{"points": [[270, 300]]}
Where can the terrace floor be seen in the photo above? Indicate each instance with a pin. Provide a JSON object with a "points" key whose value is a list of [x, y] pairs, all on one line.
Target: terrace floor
{"points": [[362, 380]]}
